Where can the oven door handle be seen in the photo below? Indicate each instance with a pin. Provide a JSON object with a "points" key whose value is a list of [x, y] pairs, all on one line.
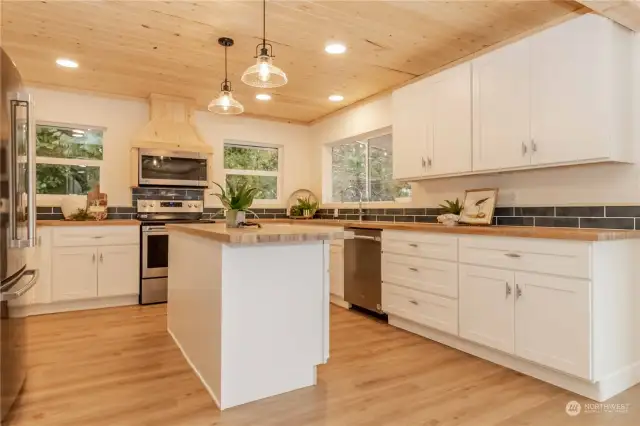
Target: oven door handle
{"points": [[22, 290]]}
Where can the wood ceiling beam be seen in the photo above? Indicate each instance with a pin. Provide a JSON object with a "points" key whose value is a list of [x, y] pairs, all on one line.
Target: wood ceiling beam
{"points": [[624, 12]]}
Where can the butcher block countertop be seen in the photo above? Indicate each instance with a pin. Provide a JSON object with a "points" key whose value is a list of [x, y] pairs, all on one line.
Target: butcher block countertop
{"points": [[108, 222], [269, 233], [576, 234]]}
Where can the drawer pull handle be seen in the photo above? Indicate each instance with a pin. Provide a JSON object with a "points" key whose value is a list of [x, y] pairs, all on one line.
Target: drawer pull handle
{"points": [[508, 289], [413, 245], [512, 255], [99, 236], [413, 302], [413, 269]]}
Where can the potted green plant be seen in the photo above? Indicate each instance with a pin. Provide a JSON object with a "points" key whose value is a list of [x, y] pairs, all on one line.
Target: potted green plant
{"points": [[450, 212], [236, 199], [306, 207]]}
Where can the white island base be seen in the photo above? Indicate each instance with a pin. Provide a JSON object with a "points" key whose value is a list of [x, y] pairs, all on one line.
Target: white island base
{"points": [[252, 320]]}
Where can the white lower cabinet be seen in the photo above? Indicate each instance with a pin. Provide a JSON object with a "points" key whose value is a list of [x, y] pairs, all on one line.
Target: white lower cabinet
{"points": [[118, 270], [336, 270], [74, 273], [553, 322], [487, 312], [85, 267]]}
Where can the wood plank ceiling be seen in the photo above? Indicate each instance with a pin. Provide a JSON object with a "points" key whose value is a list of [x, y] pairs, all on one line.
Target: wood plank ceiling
{"points": [[135, 48]]}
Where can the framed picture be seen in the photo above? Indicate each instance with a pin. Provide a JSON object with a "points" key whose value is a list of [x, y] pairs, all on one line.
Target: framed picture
{"points": [[478, 206]]}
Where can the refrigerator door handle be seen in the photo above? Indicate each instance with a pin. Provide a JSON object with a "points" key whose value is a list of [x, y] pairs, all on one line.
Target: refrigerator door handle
{"points": [[31, 170], [30, 241], [22, 290]]}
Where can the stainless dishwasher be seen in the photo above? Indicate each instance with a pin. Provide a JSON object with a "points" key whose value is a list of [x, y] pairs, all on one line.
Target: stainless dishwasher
{"points": [[362, 269]]}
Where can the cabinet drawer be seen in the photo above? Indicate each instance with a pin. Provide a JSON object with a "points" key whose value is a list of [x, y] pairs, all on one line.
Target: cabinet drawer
{"points": [[96, 236], [420, 244], [434, 276], [569, 258], [423, 308]]}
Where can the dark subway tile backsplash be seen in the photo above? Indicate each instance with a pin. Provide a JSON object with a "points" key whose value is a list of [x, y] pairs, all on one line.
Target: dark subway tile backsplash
{"points": [[608, 222], [503, 211], [405, 219], [395, 212], [622, 211], [534, 211], [591, 211], [415, 212], [515, 221], [557, 222]]}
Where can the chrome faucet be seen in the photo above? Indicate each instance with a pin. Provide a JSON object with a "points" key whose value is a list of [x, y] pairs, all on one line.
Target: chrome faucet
{"points": [[358, 192]]}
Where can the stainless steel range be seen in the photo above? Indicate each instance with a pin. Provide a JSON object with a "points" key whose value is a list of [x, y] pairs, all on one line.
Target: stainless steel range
{"points": [[154, 252]]}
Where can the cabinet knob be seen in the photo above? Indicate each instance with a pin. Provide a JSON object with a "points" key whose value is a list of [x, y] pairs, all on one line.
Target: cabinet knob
{"points": [[93, 258], [424, 163], [508, 289], [429, 161], [518, 291], [524, 148], [101, 258]]}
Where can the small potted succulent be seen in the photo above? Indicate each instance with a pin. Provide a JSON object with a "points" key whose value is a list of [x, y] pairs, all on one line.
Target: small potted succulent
{"points": [[306, 208], [236, 199], [450, 212]]}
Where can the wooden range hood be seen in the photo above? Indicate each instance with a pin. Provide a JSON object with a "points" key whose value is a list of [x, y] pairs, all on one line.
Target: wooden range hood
{"points": [[170, 126]]}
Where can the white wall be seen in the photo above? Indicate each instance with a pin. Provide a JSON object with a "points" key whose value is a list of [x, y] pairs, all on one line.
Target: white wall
{"points": [[123, 118], [295, 139]]}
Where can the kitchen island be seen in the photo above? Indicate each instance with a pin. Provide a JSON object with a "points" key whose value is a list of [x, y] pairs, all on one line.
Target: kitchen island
{"points": [[249, 308]]}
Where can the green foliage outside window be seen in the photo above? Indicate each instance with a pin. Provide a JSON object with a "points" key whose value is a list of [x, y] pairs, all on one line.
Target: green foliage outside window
{"points": [[368, 166], [67, 143], [257, 159]]}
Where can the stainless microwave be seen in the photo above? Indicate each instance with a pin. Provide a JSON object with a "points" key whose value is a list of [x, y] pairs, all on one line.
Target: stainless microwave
{"points": [[172, 168]]}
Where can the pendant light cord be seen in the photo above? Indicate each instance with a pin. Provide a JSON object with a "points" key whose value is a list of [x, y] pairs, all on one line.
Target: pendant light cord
{"points": [[225, 64], [264, 23]]}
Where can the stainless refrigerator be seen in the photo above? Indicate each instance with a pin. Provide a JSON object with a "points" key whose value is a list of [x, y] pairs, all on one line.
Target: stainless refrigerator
{"points": [[17, 228]]}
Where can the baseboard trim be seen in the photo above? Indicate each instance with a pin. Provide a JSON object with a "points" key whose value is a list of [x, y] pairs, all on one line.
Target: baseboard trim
{"points": [[195, 370], [600, 391], [78, 305], [339, 301]]}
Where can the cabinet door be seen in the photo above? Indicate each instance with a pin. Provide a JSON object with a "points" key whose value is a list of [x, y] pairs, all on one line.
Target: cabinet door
{"points": [[42, 293], [487, 306], [118, 270], [409, 131], [570, 102], [336, 270], [553, 322], [501, 114], [449, 100], [74, 273]]}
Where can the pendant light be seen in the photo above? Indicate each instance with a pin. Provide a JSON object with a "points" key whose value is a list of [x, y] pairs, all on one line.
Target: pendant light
{"points": [[264, 74], [224, 103]]}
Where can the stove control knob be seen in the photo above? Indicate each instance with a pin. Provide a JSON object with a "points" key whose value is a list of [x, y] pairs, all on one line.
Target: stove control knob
{"points": [[190, 205], [144, 204], [151, 205]]}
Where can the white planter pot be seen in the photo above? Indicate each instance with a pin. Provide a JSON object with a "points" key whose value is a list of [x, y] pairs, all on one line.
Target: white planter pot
{"points": [[234, 217]]}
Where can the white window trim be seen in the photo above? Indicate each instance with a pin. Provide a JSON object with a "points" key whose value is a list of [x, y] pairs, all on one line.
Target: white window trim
{"points": [[55, 200], [327, 198], [277, 174]]}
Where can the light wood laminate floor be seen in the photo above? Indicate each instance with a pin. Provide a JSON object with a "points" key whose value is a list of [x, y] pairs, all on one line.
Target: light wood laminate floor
{"points": [[119, 367]]}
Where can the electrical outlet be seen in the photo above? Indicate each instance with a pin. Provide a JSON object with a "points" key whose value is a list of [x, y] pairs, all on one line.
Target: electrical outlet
{"points": [[335, 213]]}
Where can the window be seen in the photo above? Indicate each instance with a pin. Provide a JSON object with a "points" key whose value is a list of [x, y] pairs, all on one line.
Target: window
{"points": [[257, 165], [365, 166], [68, 159]]}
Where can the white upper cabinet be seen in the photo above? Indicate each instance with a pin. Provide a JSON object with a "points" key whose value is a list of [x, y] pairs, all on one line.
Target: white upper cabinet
{"points": [[409, 131], [432, 125], [449, 121], [580, 110], [501, 113]]}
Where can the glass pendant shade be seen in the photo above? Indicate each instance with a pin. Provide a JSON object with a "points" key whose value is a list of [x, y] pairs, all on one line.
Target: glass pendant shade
{"points": [[264, 74], [226, 104]]}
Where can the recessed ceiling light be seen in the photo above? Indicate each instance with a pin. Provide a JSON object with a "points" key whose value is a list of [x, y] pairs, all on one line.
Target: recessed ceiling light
{"points": [[336, 98], [335, 48], [263, 97], [67, 63]]}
